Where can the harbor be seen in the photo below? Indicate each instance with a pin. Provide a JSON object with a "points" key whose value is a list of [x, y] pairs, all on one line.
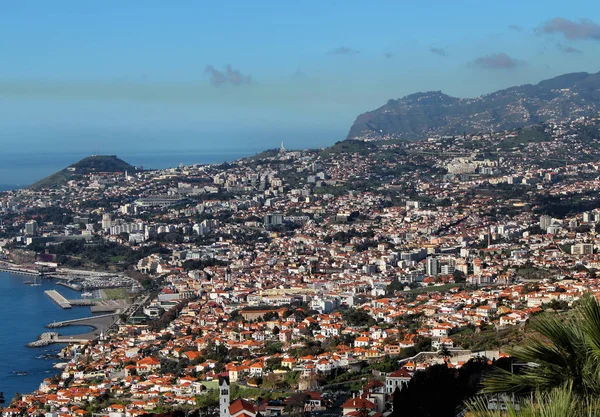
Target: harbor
{"points": [[21, 329], [99, 325]]}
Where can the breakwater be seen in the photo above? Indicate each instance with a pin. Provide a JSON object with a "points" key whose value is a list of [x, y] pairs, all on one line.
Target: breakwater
{"points": [[103, 320]]}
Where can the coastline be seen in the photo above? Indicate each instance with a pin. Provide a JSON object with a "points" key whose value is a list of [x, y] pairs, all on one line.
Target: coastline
{"points": [[26, 310]]}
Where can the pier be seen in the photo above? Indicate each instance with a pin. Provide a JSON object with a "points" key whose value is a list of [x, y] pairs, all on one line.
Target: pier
{"points": [[58, 299]]}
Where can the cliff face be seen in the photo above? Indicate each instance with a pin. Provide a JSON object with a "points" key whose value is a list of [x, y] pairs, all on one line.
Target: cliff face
{"points": [[434, 113]]}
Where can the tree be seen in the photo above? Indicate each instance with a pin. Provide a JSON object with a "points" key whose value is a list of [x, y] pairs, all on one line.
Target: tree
{"points": [[295, 405], [397, 402], [439, 391], [356, 317], [557, 402], [444, 352], [565, 351]]}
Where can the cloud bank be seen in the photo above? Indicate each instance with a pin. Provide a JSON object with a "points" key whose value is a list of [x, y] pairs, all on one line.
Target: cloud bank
{"points": [[496, 61], [584, 29]]}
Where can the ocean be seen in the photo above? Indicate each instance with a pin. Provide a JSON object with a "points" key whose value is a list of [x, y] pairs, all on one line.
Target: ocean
{"points": [[24, 311], [18, 170]]}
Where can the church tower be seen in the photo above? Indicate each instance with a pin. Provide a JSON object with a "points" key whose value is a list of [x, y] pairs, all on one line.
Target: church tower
{"points": [[223, 396]]}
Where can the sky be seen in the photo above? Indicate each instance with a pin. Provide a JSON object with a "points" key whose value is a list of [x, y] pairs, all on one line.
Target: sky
{"points": [[163, 76]]}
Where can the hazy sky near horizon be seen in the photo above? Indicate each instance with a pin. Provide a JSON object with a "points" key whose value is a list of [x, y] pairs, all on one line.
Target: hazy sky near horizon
{"points": [[124, 75]]}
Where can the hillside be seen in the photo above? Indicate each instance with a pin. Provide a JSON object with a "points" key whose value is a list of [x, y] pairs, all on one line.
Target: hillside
{"points": [[435, 113], [91, 164]]}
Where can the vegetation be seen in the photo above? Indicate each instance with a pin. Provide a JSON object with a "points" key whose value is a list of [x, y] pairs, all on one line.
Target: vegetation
{"points": [[440, 391], [98, 254], [488, 338], [566, 351], [558, 402], [434, 113], [95, 163], [525, 136], [356, 317]]}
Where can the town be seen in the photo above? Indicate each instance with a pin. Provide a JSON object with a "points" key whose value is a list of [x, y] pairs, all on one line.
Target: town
{"points": [[310, 281]]}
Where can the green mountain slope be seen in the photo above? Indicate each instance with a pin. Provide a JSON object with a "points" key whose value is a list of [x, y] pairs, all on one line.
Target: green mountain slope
{"points": [[91, 164]]}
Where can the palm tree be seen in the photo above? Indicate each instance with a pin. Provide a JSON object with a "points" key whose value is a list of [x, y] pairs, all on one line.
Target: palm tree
{"points": [[444, 352], [558, 402], [565, 351]]}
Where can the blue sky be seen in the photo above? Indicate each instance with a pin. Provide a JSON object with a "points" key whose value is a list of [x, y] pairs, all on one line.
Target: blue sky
{"points": [[121, 76]]}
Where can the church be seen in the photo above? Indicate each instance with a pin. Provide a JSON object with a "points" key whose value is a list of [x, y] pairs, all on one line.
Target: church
{"points": [[239, 408]]}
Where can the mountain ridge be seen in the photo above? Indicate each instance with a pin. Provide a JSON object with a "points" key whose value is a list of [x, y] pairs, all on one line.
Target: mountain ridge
{"points": [[435, 113]]}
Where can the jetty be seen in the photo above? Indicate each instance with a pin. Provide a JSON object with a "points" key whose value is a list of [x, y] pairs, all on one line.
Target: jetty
{"points": [[58, 298]]}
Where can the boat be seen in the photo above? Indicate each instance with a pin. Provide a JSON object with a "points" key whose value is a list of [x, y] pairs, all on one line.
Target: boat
{"points": [[86, 295], [20, 373], [35, 283]]}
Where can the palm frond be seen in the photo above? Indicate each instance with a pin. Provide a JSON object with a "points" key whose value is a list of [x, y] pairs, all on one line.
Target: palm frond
{"points": [[558, 402]]}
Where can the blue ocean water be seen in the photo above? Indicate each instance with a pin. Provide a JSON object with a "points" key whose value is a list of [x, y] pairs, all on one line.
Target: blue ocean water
{"points": [[18, 170], [24, 311]]}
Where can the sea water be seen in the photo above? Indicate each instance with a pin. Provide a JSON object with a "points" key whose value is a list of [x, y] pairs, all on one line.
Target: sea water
{"points": [[24, 311]]}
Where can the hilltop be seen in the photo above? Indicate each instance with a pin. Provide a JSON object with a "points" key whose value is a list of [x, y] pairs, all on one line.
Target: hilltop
{"points": [[91, 164], [435, 113]]}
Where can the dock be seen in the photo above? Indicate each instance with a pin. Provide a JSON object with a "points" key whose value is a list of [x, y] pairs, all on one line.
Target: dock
{"points": [[58, 299]]}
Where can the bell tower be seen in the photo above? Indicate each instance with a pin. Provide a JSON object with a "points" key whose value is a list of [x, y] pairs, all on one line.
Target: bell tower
{"points": [[224, 396]]}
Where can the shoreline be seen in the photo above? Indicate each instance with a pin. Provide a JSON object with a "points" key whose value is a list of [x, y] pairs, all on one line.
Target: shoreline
{"points": [[25, 328]]}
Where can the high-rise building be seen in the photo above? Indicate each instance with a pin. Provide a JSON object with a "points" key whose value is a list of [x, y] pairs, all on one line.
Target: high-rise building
{"points": [[273, 219], [106, 221], [545, 222], [432, 267], [31, 228]]}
